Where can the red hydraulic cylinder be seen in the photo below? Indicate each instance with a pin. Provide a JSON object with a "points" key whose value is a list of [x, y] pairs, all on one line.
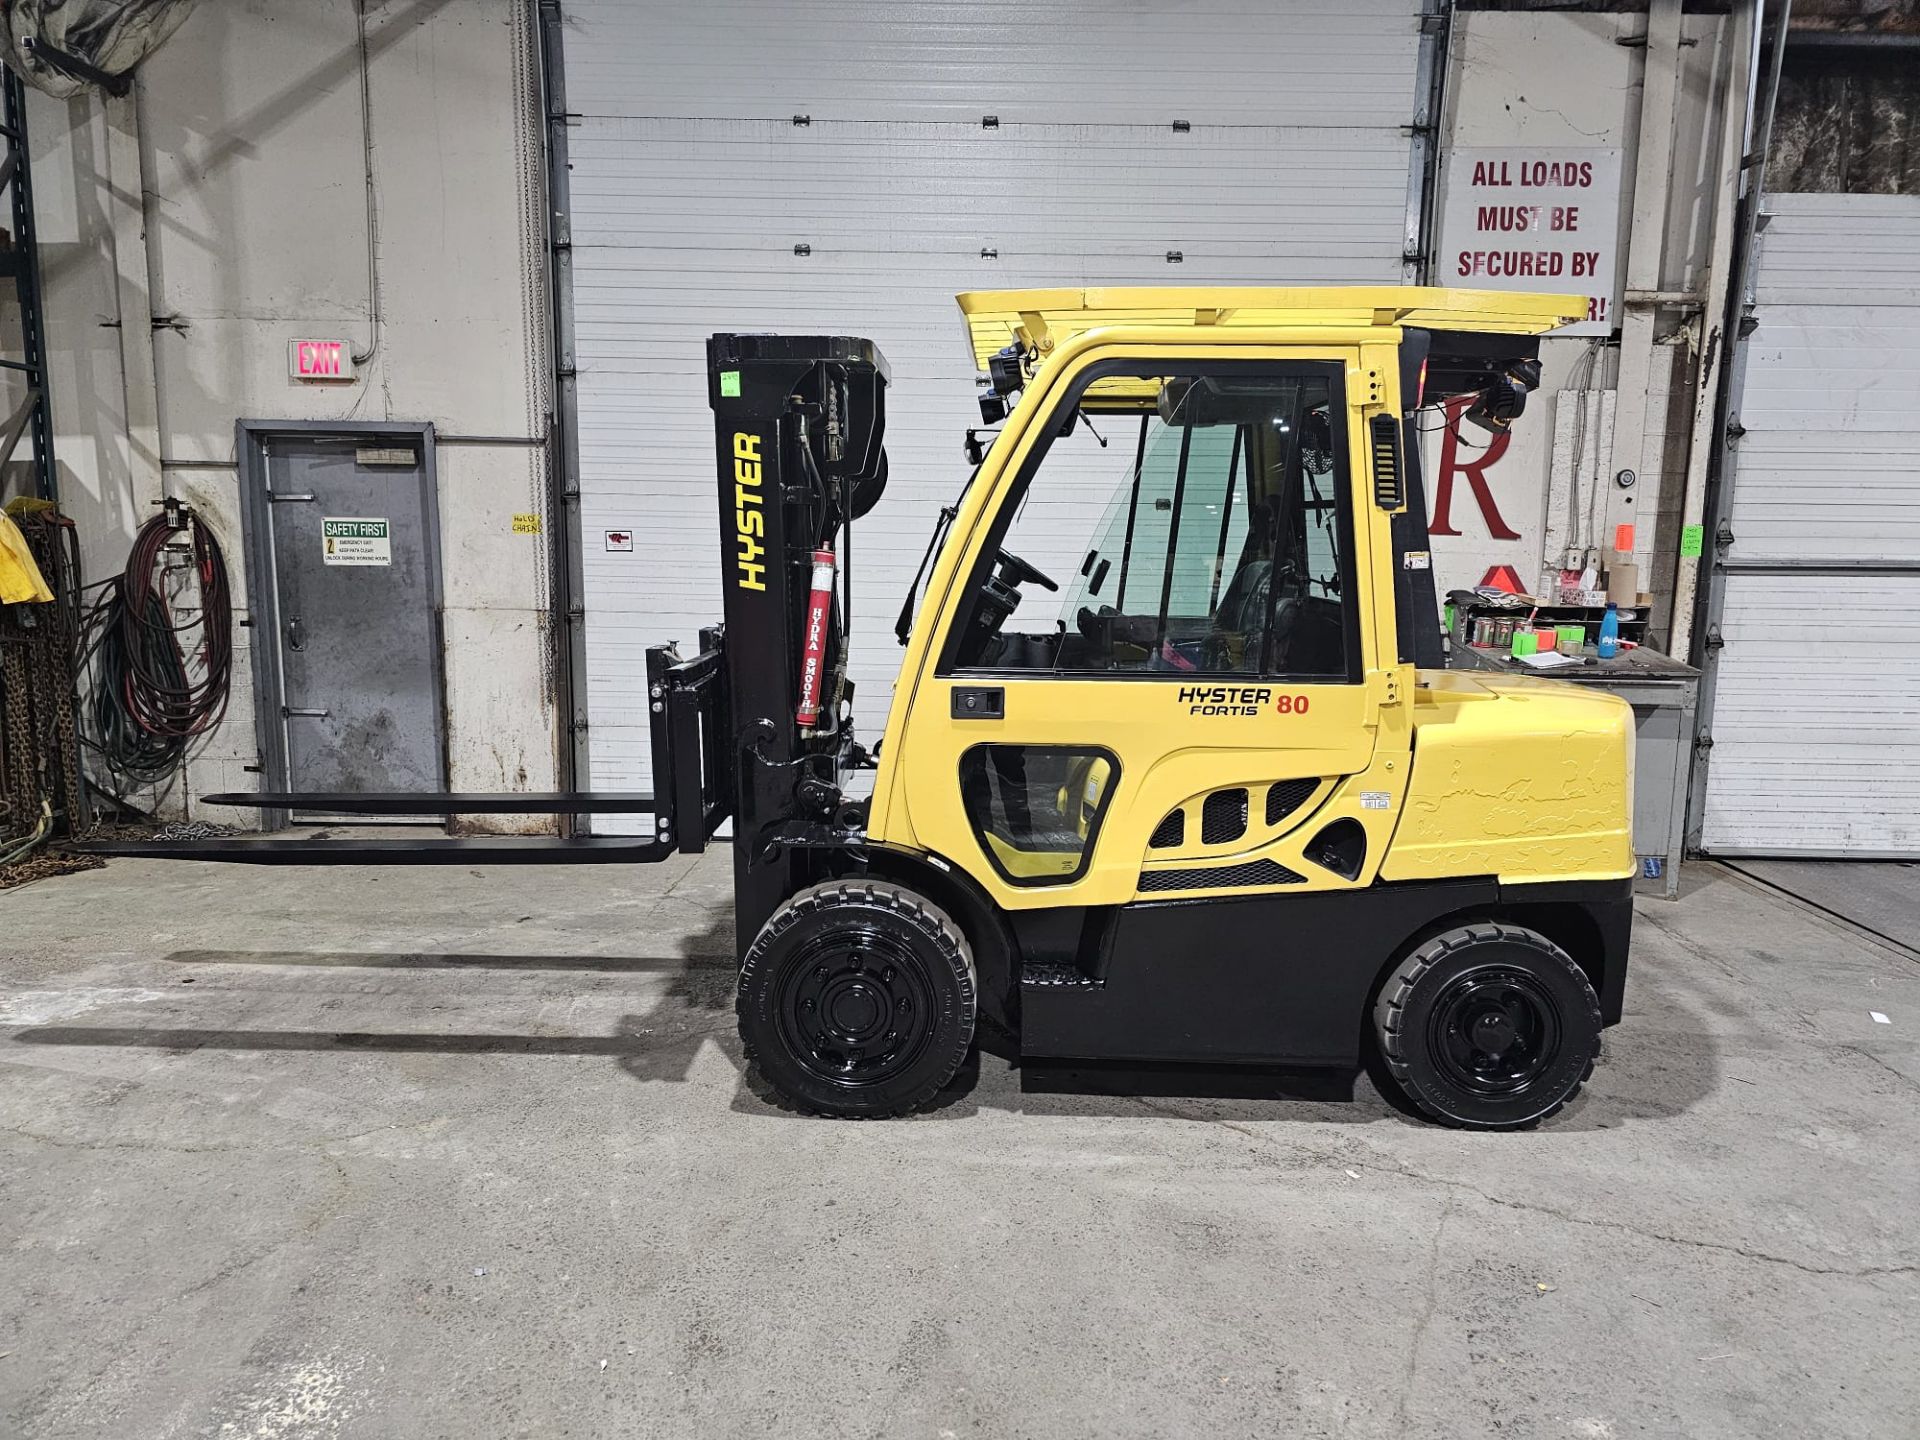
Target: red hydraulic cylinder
{"points": [[813, 657]]}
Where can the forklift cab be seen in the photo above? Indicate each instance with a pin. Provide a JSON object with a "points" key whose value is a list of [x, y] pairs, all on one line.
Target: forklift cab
{"points": [[1202, 572]]}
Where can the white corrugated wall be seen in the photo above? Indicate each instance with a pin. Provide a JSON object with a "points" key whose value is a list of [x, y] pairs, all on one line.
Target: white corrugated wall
{"points": [[1816, 748], [692, 184]]}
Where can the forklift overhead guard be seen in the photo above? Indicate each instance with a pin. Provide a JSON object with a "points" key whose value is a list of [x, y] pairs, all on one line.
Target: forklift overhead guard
{"points": [[1173, 770]]}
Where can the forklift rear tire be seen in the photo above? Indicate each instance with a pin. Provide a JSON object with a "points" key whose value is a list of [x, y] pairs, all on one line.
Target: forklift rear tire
{"points": [[858, 1000], [1488, 1027]]}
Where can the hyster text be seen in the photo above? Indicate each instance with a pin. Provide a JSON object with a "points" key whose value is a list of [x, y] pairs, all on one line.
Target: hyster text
{"points": [[1224, 699], [749, 513]]}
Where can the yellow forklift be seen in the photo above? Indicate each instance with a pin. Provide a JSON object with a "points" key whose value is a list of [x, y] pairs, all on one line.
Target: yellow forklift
{"points": [[1174, 771]]}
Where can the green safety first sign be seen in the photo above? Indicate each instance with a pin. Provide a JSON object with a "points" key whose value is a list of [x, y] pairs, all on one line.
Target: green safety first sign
{"points": [[356, 540]]}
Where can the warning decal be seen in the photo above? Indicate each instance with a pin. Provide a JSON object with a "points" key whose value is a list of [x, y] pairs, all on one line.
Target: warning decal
{"points": [[1520, 218], [356, 540]]}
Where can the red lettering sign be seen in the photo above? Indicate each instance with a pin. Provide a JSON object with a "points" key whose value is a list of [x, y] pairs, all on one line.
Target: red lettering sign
{"points": [[1474, 469], [320, 360]]}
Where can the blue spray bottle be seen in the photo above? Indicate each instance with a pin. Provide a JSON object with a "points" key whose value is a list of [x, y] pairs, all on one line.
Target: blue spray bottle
{"points": [[1609, 645]]}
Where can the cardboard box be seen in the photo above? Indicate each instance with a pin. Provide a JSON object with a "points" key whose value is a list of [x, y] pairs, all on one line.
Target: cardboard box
{"points": [[1623, 583]]}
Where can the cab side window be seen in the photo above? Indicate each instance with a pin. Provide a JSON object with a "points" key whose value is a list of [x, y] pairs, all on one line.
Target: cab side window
{"points": [[1221, 547]]}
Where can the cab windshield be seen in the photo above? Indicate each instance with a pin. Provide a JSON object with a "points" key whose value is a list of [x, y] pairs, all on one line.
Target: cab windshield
{"points": [[1207, 536], [1234, 478]]}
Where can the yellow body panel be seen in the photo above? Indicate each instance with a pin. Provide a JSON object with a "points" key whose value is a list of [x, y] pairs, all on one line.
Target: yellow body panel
{"points": [[1446, 777], [1525, 779], [1166, 759]]}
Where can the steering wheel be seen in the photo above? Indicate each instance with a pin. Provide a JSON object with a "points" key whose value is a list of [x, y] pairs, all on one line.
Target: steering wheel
{"points": [[999, 598], [1016, 571]]}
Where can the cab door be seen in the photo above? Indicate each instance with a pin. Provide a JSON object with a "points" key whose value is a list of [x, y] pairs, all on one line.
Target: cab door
{"points": [[1158, 675]]}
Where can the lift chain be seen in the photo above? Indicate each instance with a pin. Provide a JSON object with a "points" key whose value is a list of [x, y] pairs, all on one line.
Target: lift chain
{"points": [[39, 745]]}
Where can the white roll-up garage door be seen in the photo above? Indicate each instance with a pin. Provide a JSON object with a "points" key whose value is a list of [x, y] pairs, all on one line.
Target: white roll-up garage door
{"points": [[1816, 685], [847, 166]]}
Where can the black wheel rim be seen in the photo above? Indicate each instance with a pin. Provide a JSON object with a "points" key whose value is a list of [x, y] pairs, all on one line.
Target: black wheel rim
{"points": [[1494, 1031], [856, 1007]]}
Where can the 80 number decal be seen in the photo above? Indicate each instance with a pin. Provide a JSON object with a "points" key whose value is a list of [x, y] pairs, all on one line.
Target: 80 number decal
{"points": [[1292, 704]]}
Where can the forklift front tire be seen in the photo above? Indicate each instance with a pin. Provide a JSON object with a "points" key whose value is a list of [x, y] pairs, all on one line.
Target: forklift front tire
{"points": [[857, 999], [1488, 1027]]}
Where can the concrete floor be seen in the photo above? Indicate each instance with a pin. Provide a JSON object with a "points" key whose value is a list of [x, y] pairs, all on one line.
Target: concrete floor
{"points": [[463, 1153], [1882, 896]]}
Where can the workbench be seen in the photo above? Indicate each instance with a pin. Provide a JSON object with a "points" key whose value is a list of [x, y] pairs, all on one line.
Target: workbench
{"points": [[1664, 694]]}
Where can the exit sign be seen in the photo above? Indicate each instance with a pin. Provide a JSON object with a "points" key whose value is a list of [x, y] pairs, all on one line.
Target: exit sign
{"points": [[320, 359]]}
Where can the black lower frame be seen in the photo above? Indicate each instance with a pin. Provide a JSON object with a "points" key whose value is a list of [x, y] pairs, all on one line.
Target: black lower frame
{"points": [[1275, 979]]}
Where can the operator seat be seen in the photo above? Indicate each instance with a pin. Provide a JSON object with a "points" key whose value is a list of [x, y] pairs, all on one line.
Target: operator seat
{"points": [[1244, 605], [1245, 600]]}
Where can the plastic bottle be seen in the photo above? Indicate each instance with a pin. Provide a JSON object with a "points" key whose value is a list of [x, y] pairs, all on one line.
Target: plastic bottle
{"points": [[1609, 645]]}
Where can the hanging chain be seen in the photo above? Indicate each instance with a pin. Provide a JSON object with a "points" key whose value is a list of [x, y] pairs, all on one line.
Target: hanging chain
{"points": [[39, 648]]}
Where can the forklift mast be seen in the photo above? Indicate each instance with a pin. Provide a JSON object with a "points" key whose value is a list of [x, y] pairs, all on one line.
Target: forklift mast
{"points": [[799, 423]]}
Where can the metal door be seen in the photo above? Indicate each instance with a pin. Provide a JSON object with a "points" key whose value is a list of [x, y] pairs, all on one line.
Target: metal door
{"points": [[349, 621]]}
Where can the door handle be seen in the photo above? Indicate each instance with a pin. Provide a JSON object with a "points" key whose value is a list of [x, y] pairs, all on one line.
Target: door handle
{"points": [[296, 634], [293, 712], [284, 499], [979, 702]]}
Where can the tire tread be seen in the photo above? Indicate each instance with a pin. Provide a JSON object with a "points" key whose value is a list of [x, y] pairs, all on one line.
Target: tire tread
{"points": [[815, 898], [1391, 1005]]}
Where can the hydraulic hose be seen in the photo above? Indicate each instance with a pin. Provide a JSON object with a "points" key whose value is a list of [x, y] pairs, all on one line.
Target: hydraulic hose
{"points": [[160, 681]]}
